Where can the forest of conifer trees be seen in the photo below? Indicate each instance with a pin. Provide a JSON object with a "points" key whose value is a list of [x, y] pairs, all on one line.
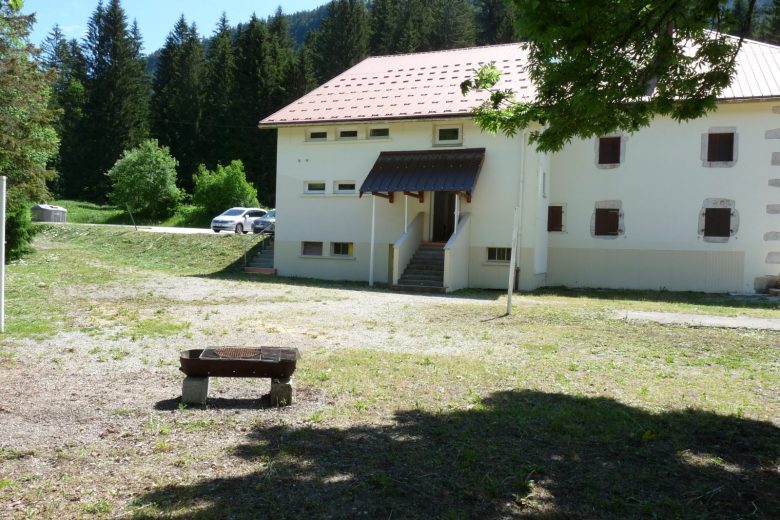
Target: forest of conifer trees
{"points": [[209, 87]]}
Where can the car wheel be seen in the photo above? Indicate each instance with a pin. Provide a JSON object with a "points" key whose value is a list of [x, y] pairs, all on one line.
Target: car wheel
{"points": [[239, 228], [216, 230]]}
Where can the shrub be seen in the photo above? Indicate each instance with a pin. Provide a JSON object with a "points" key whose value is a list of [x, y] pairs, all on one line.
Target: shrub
{"points": [[223, 188], [19, 231], [144, 179]]}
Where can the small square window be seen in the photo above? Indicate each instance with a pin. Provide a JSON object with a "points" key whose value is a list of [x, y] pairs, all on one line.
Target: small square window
{"points": [[717, 222], [554, 218], [314, 187], [348, 134], [318, 135], [607, 222], [609, 150], [449, 134], [720, 147], [311, 248], [344, 187], [499, 254], [379, 133], [341, 248]]}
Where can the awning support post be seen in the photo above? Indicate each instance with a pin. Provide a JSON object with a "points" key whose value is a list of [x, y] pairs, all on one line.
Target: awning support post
{"points": [[371, 255], [457, 212], [406, 212]]}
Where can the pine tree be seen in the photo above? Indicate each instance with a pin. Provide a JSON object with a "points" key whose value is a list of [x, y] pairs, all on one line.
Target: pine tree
{"points": [[177, 100], [65, 59], [415, 27], [494, 21], [342, 40], [770, 29], [219, 92], [454, 26], [383, 24], [117, 97]]}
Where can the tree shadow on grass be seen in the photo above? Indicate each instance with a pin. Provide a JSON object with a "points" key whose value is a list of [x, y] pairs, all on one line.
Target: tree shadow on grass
{"points": [[515, 454]]}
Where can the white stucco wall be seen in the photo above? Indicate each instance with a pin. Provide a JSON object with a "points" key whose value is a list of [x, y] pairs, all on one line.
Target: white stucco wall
{"points": [[347, 218], [661, 186]]}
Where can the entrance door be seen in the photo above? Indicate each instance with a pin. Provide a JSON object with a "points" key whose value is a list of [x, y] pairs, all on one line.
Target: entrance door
{"points": [[443, 216]]}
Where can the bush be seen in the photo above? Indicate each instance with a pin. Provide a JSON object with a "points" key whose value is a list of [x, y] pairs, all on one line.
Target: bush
{"points": [[19, 231], [144, 179], [223, 188]]}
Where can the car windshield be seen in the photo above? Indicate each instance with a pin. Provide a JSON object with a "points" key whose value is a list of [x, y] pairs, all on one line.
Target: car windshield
{"points": [[233, 212], [271, 214]]}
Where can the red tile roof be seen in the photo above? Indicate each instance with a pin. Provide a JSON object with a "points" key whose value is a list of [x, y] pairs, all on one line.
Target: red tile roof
{"points": [[407, 86], [427, 85]]}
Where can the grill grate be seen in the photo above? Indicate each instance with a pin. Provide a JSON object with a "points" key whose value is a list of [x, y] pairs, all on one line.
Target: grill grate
{"points": [[270, 354]]}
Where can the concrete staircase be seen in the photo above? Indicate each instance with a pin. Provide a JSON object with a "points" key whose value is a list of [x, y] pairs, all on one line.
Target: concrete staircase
{"points": [[425, 272], [263, 261]]}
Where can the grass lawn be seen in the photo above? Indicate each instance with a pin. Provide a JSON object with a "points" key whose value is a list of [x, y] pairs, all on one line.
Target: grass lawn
{"points": [[406, 406], [89, 213]]}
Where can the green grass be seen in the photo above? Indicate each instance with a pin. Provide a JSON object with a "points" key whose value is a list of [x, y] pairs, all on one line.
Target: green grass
{"points": [[89, 213]]}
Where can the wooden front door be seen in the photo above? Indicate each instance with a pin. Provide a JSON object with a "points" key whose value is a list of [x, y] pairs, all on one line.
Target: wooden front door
{"points": [[443, 216]]}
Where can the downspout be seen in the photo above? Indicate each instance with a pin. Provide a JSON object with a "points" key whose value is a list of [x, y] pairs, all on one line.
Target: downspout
{"points": [[373, 229], [516, 227]]}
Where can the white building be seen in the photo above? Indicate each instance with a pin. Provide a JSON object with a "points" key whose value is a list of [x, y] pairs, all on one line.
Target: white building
{"points": [[693, 206]]}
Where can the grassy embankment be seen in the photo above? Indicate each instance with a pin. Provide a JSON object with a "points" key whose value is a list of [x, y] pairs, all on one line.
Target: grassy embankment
{"points": [[406, 408], [89, 213]]}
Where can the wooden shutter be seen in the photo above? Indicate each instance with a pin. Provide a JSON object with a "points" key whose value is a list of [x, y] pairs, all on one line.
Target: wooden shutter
{"points": [[609, 150], [607, 221], [717, 222], [554, 218], [720, 147]]}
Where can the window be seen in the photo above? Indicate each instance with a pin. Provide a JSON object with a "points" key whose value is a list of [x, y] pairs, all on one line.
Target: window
{"points": [[717, 222], [379, 133], [499, 254], [347, 135], [344, 187], [609, 150], [607, 222], [448, 135], [311, 248], [317, 135], [720, 147], [314, 187], [341, 248], [554, 218]]}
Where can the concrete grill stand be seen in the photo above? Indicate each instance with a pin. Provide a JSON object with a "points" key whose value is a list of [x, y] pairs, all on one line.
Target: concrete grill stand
{"points": [[274, 363]]}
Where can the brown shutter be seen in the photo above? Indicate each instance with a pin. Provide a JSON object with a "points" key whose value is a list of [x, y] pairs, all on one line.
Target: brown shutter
{"points": [[609, 150], [720, 147], [554, 218], [607, 221], [717, 222]]}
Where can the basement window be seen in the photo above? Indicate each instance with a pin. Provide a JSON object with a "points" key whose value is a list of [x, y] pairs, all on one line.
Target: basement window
{"points": [[607, 222], [555, 218], [341, 248], [717, 222], [379, 133], [314, 187], [311, 248], [499, 254]]}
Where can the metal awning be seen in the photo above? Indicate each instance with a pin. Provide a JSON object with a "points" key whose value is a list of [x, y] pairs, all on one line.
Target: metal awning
{"points": [[453, 170]]}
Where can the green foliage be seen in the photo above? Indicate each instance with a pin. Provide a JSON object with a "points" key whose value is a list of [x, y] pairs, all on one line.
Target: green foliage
{"points": [[145, 180], [613, 65], [223, 188], [19, 231], [178, 99], [27, 137], [342, 40]]}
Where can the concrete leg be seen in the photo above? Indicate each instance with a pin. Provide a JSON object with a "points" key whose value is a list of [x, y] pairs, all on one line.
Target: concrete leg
{"points": [[281, 392], [195, 390]]}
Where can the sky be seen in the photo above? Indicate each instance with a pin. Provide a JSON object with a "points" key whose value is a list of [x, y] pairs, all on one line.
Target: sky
{"points": [[155, 17]]}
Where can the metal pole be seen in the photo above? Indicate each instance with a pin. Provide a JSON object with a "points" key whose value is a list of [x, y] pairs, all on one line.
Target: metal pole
{"points": [[2, 253], [406, 213], [373, 230], [512, 258], [457, 213], [131, 216]]}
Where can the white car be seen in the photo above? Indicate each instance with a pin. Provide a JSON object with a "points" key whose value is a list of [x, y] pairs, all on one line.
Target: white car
{"points": [[237, 219]]}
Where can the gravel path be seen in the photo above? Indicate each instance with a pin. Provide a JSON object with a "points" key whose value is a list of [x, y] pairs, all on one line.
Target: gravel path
{"points": [[701, 320]]}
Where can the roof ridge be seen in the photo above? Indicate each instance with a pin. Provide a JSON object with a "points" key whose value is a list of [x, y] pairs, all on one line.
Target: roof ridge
{"points": [[441, 51]]}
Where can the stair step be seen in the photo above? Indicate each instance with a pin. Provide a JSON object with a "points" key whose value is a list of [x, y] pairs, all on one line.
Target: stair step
{"points": [[260, 270], [419, 288]]}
